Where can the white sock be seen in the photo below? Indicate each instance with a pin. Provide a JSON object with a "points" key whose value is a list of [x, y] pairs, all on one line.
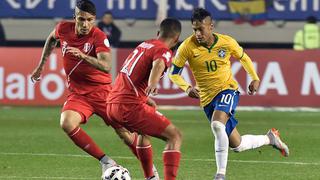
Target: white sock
{"points": [[221, 146], [251, 142]]}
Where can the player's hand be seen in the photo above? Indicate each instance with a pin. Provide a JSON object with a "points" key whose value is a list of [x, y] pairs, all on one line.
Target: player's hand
{"points": [[193, 92], [151, 90], [151, 103], [253, 87], [35, 76], [76, 52]]}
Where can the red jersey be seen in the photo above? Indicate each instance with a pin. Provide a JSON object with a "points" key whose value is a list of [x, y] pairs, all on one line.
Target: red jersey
{"points": [[132, 80], [82, 77]]}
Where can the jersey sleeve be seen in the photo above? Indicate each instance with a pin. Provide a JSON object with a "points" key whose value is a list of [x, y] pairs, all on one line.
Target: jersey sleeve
{"points": [[182, 55], [236, 49], [238, 52], [178, 63], [101, 42], [57, 30], [164, 54]]}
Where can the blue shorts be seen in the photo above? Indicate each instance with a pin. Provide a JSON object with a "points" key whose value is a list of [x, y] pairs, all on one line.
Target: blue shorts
{"points": [[227, 102]]}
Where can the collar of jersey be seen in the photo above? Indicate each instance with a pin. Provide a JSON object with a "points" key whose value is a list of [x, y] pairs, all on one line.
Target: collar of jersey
{"points": [[214, 43]]}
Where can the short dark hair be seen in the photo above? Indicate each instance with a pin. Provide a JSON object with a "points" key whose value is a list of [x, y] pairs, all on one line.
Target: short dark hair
{"points": [[108, 12], [170, 27], [87, 6], [199, 14], [312, 19]]}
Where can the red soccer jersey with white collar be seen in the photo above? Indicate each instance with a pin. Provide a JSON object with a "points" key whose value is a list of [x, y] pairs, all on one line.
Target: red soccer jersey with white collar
{"points": [[82, 77]]}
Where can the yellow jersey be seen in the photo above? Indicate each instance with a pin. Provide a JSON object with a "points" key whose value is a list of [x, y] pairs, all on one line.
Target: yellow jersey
{"points": [[211, 67]]}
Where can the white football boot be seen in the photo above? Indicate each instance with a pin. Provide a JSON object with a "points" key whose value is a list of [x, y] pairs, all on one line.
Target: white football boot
{"points": [[105, 166], [155, 173], [276, 142]]}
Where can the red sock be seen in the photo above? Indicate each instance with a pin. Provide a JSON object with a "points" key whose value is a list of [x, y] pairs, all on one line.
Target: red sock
{"points": [[171, 160], [83, 141], [145, 157], [133, 145]]}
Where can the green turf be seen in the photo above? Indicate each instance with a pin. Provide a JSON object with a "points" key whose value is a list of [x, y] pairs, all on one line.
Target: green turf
{"points": [[32, 146]]}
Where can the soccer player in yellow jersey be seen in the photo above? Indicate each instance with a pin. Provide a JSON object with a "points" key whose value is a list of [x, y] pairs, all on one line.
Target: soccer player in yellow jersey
{"points": [[208, 54]]}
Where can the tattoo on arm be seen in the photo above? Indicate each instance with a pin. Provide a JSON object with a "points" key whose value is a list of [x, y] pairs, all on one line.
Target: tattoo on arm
{"points": [[50, 44], [102, 62]]}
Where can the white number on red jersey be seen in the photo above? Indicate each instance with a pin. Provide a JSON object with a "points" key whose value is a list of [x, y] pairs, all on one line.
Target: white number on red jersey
{"points": [[131, 62]]}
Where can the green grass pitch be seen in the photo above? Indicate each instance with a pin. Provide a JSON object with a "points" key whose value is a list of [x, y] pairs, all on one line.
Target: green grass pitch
{"points": [[32, 146]]}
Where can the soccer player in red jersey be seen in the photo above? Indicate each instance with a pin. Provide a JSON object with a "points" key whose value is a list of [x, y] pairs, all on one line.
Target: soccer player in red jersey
{"points": [[87, 64], [138, 78]]}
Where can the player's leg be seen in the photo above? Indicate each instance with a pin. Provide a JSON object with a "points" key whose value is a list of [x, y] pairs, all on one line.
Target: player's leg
{"points": [[241, 143], [145, 154], [70, 122], [75, 112], [141, 148], [246, 142], [219, 111], [171, 154], [129, 138], [221, 143], [146, 120], [115, 115]]}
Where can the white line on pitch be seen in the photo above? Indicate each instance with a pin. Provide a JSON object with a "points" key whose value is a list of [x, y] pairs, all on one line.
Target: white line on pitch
{"points": [[184, 159], [244, 122], [43, 177], [47, 177]]}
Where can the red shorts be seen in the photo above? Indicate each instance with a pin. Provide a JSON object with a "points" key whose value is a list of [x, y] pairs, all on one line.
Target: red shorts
{"points": [[92, 103], [140, 118]]}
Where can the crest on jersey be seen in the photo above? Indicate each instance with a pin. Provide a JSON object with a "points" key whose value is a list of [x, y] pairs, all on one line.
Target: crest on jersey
{"points": [[106, 42], [87, 47], [222, 53], [64, 47]]}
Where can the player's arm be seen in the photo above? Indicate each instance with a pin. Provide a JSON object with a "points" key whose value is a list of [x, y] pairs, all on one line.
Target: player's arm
{"points": [[151, 102], [248, 66], [102, 62], [158, 66], [176, 78], [245, 60], [49, 45], [176, 70]]}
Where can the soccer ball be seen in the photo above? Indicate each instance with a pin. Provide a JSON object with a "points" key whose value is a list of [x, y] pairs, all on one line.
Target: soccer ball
{"points": [[116, 173]]}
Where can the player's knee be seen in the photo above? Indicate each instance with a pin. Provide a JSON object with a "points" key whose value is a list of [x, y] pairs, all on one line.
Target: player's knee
{"points": [[68, 124], [238, 149], [143, 140], [173, 136], [176, 136], [217, 126], [122, 134]]}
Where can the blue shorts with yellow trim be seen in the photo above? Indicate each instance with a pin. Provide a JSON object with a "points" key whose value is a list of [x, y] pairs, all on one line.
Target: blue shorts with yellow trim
{"points": [[227, 102]]}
